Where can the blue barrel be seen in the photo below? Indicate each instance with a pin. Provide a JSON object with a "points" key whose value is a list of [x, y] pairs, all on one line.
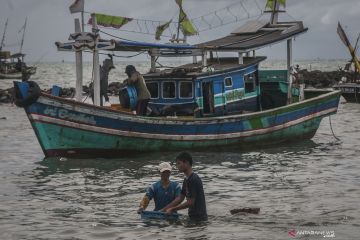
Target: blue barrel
{"points": [[128, 97], [55, 91], [23, 87]]}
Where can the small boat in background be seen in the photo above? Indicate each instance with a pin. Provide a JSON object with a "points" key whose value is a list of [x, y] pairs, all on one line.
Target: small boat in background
{"points": [[350, 88], [12, 66]]}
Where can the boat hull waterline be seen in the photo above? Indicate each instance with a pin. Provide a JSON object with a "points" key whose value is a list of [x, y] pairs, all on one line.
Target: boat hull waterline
{"points": [[68, 128]]}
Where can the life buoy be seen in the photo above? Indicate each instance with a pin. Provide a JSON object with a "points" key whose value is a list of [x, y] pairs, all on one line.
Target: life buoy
{"points": [[33, 95]]}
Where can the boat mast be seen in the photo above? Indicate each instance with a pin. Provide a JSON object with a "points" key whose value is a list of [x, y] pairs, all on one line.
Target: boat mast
{"points": [[275, 12], [178, 27], [96, 65], [3, 37], [23, 36], [79, 66]]}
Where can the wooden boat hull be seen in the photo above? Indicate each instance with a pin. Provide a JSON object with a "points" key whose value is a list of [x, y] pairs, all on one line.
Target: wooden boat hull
{"points": [[68, 128], [350, 91]]}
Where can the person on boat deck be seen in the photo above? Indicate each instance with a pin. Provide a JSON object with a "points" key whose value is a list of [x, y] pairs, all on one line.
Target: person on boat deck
{"points": [[163, 192], [192, 189], [19, 65], [143, 95], [104, 80]]}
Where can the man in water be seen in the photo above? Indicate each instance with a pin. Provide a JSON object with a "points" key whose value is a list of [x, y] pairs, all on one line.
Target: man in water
{"points": [[143, 95], [163, 192], [192, 189]]}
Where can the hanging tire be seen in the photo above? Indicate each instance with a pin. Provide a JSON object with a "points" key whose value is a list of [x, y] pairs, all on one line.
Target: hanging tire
{"points": [[33, 95]]}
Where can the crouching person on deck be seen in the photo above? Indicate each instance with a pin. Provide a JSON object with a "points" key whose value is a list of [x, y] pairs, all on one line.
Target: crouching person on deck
{"points": [[164, 192], [192, 189], [143, 95]]}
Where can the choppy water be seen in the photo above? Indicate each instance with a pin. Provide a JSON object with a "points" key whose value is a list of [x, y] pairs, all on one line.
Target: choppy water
{"points": [[311, 185]]}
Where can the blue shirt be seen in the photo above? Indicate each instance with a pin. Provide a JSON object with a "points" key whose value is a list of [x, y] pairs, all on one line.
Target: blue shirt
{"points": [[163, 196]]}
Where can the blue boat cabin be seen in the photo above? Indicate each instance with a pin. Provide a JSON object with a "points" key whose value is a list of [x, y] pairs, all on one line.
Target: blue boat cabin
{"points": [[225, 87]]}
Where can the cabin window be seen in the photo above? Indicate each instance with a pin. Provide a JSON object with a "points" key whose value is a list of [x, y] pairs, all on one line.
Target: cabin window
{"points": [[228, 82], [153, 88], [186, 90], [250, 82], [168, 89]]}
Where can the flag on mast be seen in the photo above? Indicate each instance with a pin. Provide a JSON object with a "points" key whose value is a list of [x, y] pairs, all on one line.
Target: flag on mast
{"points": [[110, 21], [77, 6], [161, 28], [347, 43], [185, 24]]}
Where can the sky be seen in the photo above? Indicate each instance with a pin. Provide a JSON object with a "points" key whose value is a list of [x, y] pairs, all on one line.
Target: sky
{"points": [[50, 21]]}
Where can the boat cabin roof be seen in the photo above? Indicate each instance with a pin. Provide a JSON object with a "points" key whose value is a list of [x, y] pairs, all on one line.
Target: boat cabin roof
{"points": [[219, 65], [254, 35]]}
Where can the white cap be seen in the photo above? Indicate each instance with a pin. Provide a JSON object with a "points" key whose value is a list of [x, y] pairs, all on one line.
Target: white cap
{"points": [[165, 166]]}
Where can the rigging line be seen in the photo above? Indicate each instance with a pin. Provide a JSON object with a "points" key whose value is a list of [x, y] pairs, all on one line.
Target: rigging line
{"points": [[118, 38], [291, 16], [258, 6], [230, 22], [332, 131], [111, 35], [221, 21], [114, 55], [242, 5], [137, 19], [192, 19], [129, 31], [147, 29], [236, 17]]}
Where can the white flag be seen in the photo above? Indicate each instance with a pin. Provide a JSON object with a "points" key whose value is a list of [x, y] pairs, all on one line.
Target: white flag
{"points": [[77, 6]]}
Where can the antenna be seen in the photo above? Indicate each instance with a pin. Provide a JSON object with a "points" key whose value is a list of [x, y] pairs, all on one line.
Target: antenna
{"points": [[23, 36], [3, 37]]}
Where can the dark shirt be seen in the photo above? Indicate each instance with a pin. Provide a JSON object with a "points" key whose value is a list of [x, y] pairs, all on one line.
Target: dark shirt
{"points": [[193, 188]]}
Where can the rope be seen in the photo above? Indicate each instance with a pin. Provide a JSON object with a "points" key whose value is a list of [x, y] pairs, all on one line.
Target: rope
{"points": [[224, 16], [332, 131], [114, 55]]}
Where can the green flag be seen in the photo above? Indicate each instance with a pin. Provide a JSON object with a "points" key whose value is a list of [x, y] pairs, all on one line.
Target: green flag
{"points": [[186, 26], [270, 3], [110, 21], [161, 28]]}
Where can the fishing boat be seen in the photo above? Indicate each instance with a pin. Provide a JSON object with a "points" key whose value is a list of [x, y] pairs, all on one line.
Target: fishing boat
{"points": [[350, 88], [211, 103], [12, 66]]}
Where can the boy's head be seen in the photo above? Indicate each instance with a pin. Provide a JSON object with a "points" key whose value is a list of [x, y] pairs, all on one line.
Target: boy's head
{"points": [[184, 161]]}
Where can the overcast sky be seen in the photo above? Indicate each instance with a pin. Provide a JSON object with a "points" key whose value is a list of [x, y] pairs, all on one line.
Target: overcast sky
{"points": [[50, 21]]}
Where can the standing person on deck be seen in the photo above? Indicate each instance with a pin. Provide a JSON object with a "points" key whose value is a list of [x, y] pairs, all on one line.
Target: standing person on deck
{"points": [[164, 192], [105, 69], [143, 95], [192, 189]]}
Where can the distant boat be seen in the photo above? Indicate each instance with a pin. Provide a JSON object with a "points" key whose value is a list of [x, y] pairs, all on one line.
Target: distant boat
{"points": [[12, 66], [350, 89], [207, 104]]}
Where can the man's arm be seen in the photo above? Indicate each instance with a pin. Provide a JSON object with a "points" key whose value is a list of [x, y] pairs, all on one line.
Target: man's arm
{"points": [[146, 199], [175, 202], [143, 204], [189, 202]]}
